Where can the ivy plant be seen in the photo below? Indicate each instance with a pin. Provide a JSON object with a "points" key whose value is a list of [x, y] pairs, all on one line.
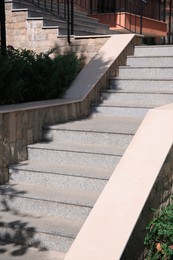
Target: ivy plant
{"points": [[159, 238]]}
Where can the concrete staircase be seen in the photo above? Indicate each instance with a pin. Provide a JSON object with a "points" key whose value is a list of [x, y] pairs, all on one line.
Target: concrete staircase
{"points": [[48, 197], [83, 25]]}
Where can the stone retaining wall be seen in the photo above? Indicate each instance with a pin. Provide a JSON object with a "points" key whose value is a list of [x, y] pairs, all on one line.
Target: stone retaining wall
{"points": [[22, 125]]}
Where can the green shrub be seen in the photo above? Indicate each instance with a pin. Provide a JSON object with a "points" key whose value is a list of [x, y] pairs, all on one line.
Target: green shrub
{"points": [[26, 76], [159, 238]]}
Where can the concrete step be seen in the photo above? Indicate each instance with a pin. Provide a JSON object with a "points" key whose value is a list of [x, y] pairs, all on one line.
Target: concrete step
{"points": [[126, 113], [39, 173], [38, 200], [154, 50], [150, 61], [141, 86], [127, 72], [10, 251], [99, 124], [144, 100], [43, 233], [113, 124], [83, 155], [86, 132], [84, 137], [61, 169]]}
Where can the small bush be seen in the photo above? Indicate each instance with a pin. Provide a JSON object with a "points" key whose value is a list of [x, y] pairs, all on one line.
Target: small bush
{"points": [[159, 238], [26, 76]]}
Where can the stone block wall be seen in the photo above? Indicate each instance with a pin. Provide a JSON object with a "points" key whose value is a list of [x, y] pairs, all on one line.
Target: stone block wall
{"points": [[28, 33], [158, 198]]}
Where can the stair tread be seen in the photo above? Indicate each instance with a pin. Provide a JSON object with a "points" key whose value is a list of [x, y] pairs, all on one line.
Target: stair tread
{"points": [[65, 169], [81, 148], [148, 56], [102, 124], [54, 226], [146, 73], [144, 100], [128, 67], [160, 86], [138, 94], [137, 90], [140, 80], [127, 105], [40, 192]]}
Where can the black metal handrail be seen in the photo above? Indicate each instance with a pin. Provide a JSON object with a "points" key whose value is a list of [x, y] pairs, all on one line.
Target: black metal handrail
{"points": [[59, 8], [2, 28], [135, 10], [65, 10]]}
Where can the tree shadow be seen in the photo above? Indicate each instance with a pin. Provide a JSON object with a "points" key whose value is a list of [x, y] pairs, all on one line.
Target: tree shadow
{"points": [[16, 234]]}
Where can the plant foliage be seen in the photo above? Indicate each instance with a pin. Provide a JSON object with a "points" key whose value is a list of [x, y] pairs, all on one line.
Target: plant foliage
{"points": [[26, 76], [159, 238]]}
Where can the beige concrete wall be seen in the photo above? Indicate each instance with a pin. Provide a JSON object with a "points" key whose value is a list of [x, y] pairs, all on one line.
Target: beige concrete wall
{"points": [[158, 198]]}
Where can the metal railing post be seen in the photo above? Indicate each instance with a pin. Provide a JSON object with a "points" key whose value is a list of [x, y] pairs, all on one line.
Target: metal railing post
{"points": [[72, 17], [91, 6], [2, 28], [141, 17], [68, 22]]}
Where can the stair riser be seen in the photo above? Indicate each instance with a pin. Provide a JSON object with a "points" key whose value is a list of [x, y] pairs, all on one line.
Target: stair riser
{"points": [[136, 100], [35, 239], [146, 73], [37, 207], [53, 23], [142, 85], [58, 181], [63, 32], [74, 158], [80, 137], [86, 27], [120, 111], [150, 62], [154, 51]]}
